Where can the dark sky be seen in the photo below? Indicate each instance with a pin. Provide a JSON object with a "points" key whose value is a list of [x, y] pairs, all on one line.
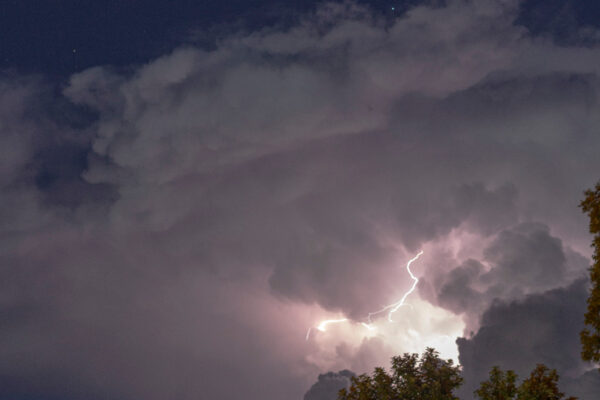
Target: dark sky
{"points": [[201, 183], [39, 36]]}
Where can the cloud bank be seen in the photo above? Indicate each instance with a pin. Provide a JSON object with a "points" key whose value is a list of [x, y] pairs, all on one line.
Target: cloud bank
{"points": [[172, 228]]}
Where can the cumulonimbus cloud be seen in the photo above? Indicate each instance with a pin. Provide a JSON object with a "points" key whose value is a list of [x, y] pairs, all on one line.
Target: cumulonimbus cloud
{"points": [[230, 197]]}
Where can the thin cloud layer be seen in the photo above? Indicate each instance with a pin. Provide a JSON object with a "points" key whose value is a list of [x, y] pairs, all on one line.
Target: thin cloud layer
{"points": [[229, 199]]}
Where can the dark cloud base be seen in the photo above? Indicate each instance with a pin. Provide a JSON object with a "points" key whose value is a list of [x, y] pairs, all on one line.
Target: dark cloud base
{"points": [[542, 328], [328, 385]]}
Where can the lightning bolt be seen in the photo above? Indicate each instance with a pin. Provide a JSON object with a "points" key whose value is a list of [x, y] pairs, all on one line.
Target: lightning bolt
{"points": [[323, 325], [391, 307], [395, 306], [368, 326]]}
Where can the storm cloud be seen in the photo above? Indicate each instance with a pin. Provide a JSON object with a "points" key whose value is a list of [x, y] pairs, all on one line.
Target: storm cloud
{"points": [[328, 385], [543, 328], [172, 230]]}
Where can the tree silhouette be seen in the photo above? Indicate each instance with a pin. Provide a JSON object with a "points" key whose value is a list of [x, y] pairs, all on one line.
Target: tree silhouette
{"points": [[428, 378], [431, 378], [590, 336], [542, 384], [500, 386]]}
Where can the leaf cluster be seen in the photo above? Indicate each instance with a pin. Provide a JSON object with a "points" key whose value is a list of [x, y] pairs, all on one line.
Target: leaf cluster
{"points": [[431, 378], [411, 378], [590, 336], [542, 384]]}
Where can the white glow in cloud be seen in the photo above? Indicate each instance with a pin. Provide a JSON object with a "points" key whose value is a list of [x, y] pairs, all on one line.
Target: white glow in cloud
{"points": [[424, 326], [346, 345], [392, 307], [395, 306]]}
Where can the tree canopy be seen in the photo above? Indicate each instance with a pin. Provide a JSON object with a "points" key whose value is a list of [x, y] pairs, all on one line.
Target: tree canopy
{"points": [[411, 377], [542, 384], [590, 336], [431, 378], [500, 386]]}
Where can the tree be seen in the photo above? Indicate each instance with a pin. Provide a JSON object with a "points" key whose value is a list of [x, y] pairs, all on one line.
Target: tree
{"points": [[590, 336], [542, 384], [500, 386], [431, 378], [411, 378]]}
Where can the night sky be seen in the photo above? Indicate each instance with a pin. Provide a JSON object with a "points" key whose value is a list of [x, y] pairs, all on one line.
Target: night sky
{"points": [[39, 37], [188, 188]]}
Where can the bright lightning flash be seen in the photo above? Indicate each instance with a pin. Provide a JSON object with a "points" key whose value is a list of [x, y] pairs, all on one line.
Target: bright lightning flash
{"points": [[323, 325], [392, 307], [395, 306]]}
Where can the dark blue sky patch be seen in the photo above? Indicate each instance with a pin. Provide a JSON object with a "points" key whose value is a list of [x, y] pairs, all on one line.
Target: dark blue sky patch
{"points": [[61, 38], [567, 22]]}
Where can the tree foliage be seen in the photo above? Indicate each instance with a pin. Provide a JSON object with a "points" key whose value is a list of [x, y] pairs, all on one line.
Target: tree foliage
{"points": [[500, 386], [542, 384], [590, 336], [411, 378], [430, 378]]}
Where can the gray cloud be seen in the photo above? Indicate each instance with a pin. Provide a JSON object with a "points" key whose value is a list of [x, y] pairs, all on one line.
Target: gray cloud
{"points": [[230, 195], [526, 255], [328, 385], [518, 261], [542, 328]]}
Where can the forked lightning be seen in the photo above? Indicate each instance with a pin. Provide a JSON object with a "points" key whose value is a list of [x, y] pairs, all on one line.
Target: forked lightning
{"points": [[392, 307]]}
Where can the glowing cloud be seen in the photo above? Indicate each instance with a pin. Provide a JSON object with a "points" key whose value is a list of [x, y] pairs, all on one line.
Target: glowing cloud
{"points": [[395, 306], [392, 307]]}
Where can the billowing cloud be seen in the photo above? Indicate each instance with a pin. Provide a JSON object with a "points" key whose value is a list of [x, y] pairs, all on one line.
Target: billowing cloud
{"points": [[328, 385], [172, 229], [518, 261], [543, 328]]}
